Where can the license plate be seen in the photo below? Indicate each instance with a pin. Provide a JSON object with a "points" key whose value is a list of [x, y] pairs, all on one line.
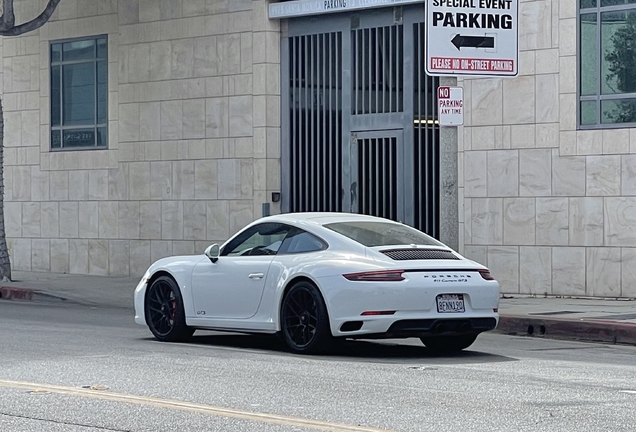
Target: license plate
{"points": [[450, 303]]}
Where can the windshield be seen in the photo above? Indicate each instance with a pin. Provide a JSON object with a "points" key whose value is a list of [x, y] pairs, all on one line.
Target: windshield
{"points": [[373, 234]]}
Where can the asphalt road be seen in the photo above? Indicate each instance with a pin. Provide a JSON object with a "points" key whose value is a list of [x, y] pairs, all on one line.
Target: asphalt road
{"points": [[73, 368]]}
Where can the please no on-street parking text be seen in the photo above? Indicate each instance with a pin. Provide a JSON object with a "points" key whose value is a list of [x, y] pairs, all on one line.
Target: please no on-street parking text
{"points": [[472, 37]]}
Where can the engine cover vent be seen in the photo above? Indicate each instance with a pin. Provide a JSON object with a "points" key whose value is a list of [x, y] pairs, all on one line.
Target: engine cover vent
{"points": [[419, 254]]}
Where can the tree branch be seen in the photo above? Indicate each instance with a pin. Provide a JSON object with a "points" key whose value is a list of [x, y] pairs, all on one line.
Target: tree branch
{"points": [[34, 24], [8, 17]]}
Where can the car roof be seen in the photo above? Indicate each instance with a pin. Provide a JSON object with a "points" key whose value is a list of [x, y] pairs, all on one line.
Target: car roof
{"points": [[323, 218]]}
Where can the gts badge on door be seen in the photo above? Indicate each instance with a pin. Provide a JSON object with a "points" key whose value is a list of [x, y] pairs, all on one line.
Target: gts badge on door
{"points": [[200, 312]]}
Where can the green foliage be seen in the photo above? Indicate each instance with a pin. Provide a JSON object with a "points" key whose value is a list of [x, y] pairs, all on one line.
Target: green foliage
{"points": [[622, 70]]}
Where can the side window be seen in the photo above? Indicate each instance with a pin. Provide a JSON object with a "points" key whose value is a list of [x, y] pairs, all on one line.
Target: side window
{"points": [[299, 241], [263, 239]]}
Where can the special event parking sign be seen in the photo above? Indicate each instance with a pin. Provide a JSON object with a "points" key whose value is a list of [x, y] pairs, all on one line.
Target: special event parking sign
{"points": [[472, 37]]}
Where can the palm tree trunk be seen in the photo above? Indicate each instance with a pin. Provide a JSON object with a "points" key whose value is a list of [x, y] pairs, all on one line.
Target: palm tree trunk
{"points": [[5, 261]]}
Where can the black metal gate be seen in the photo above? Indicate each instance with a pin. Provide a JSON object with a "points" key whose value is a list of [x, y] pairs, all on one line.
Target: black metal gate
{"points": [[315, 154], [377, 161], [360, 130]]}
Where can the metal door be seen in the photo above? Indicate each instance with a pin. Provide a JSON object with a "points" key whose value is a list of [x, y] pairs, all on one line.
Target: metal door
{"points": [[312, 164], [362, 73], [377, 161]]}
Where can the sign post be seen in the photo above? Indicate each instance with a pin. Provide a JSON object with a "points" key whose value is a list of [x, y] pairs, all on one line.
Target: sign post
{"points": [[472, 37], [450, 106]]}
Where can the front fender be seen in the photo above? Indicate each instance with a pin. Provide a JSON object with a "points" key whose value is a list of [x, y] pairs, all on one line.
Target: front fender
{"points": [[180, 269]]}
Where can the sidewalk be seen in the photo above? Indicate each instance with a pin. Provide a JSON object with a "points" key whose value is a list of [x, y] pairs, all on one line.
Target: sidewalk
{"points": [[592, 320], [96, 291]]}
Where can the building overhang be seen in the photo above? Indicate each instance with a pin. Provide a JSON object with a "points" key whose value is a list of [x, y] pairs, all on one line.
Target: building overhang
{"points": [[298, 8]]}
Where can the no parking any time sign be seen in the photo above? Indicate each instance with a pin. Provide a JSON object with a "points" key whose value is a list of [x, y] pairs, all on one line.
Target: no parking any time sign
{"points": [[450, 106], [472, 37]]}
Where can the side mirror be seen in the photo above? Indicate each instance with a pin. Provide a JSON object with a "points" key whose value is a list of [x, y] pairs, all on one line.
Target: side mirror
{"points": [[213, 252]]}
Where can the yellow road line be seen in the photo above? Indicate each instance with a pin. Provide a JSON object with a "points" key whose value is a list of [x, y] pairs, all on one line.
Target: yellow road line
{"points": [[190, 407]]}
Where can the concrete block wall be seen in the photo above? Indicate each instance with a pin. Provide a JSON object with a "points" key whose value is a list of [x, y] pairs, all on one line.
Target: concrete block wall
{"points": [[194, 134], [551, 209]]}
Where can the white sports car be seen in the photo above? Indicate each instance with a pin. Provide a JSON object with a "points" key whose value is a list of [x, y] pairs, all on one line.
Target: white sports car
{"points": [[315, 277]]}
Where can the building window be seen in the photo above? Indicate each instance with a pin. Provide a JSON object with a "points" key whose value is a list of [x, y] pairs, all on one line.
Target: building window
{"points": [[79, 94], [607, 61]]}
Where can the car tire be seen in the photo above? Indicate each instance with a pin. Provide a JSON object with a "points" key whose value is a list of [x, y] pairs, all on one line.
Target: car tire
{"points": [[164, 311], [448, 344], [304, 320]]}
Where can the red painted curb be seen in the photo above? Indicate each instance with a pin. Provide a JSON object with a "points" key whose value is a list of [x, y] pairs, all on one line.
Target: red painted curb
{"points": [[13, 293], [585, 329]]}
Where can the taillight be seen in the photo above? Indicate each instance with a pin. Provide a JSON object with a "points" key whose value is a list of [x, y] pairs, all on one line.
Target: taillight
{"points": [[371, 313], [486, 274], [376, 276]]}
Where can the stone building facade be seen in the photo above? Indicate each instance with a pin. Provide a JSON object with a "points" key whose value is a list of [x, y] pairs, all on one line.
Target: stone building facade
{"points": [[546, 177], [549, 201], [193, 134]]}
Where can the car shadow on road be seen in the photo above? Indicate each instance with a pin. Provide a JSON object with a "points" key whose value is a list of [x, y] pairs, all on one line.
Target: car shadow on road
{"points": [[390, 351]]}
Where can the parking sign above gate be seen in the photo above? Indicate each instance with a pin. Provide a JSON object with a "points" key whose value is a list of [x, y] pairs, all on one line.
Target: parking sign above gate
{"points": [[472, 37]]}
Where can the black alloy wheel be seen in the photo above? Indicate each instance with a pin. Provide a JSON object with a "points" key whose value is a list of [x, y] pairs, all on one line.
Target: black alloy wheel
{"points": [[165, 315], [304, 320]]}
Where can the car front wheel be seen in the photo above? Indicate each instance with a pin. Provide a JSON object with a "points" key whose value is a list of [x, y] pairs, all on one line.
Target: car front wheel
{"points": [[448, 344], [165, 314], [304, 320]]}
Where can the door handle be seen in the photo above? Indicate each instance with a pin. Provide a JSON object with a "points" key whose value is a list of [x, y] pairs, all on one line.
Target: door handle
{"points": [[354, 190], [256, 275]]}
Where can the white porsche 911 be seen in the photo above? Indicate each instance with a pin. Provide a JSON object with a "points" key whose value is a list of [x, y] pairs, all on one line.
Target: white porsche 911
{"points": [[315, 277]]}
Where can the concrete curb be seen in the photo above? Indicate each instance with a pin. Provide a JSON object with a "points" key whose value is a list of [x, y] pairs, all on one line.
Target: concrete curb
{"points": [[44, 296], [28, 294], [584, 330], [13, 293]]}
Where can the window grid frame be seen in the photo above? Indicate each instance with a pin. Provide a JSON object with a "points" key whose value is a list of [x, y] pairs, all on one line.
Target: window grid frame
{"points": [[598, 97], [61, 63]]}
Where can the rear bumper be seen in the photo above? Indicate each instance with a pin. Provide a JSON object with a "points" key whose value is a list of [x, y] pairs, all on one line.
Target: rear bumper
{"points": [[409, 308], [408, 328]]}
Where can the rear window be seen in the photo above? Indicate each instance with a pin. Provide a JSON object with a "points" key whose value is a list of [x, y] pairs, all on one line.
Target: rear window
{"points": [[373, 234]]}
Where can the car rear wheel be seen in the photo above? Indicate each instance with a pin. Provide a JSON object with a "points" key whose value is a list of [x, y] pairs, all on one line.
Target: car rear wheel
{"points": [[304, 320], [165, 314], [448, 344]]}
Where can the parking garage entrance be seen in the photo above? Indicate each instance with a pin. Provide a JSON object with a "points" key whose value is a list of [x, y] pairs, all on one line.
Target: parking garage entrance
{"points": [[359, 118]]}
